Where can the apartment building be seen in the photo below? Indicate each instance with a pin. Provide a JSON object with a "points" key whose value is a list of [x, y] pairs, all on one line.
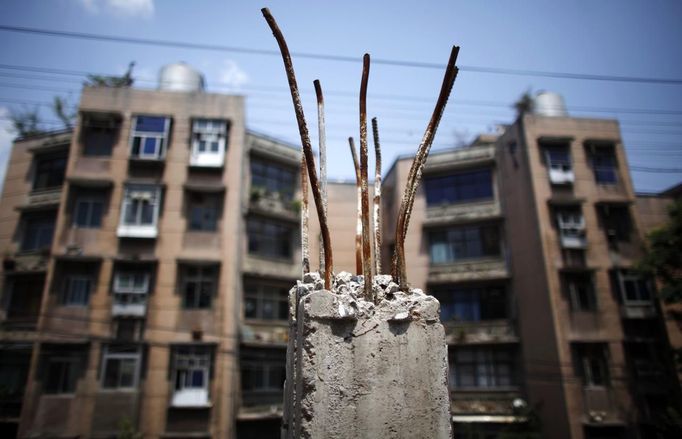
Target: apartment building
{"points": [[148, 254]]}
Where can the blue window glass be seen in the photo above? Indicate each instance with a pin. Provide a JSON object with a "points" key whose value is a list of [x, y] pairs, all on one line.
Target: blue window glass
{"points": [[459, 188], [460, 243], [604, 168], [197, 378], [150, 124], [149, 146], [471, 304]]}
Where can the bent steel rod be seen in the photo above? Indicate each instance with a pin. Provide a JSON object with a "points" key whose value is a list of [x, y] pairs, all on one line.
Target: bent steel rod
{"points": [[398, 270], [305, 142], [358, 223], [377, 198], [364, 165]]}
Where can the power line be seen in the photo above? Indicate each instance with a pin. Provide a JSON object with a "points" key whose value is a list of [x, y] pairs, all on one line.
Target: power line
{"points": [[339, 58], [350, 94]]}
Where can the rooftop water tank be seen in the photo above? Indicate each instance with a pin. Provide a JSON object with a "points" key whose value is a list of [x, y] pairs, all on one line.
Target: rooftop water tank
{"points": [[180, 77], [547, 103]]}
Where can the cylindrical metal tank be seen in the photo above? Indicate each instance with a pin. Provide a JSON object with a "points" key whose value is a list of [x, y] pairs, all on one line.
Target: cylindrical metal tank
{"points": [[547, 103], [180, 77]]}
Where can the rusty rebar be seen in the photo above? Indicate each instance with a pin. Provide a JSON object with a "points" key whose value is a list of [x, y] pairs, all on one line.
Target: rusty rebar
{"points": [[358, 215], [364, 165], [323, 155], [305, 253], [398, 269], [377, 198], [305, 142]]}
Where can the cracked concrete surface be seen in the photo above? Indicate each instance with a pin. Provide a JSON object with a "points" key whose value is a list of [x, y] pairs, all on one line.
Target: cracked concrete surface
{"points": [[356, 369]]}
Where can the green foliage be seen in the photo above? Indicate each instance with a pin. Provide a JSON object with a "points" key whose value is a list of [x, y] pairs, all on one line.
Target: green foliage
{"points": [[60, 107], [664, 258], [524, 104], [112, 81], [126, 430], [26, 123]]}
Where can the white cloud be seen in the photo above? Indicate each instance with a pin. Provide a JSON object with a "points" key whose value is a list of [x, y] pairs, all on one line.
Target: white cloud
{"points": [[231, 75], [6, 137], [123, 8]]}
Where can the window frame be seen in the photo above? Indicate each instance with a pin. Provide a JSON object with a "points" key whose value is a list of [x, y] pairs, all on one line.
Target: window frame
{"points": [[199, 279], [573, 284], [215, 131], [161, 138], [589, 355], [273, 178], [185, 394], [89, 200], [481, 305], [210, 202], [43, 223], [92, 122], [260, 242], [139, 228], [452, 244], [67, 294], [485, 368], [599, 154], [452, 187], [624, 276], [134, 354], [571, 227], [68, 383], [261, 292], [52, 182]]}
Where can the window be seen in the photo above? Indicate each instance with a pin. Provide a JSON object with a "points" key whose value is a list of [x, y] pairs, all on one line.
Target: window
{"points": [[49, 171], [62, 367], [203, 211], [616, 222], [120, 367], [484, 367], [463, 243], [37, 232], [262, 375], [99, 133], [76, 290], [604, 166], [199, 284], [130, 292], [571, 228], [269, 238], [634, 289], [471, 304], [558, 160], [208, 142], [191, 376], [273, 177], [266, 301], [592, 363], [149, 137], [88, 212], [458, 188], [580, 290], [140, 211]]}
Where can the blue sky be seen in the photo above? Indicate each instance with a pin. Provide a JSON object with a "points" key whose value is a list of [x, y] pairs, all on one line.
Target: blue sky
{"points": [[608, 37]]}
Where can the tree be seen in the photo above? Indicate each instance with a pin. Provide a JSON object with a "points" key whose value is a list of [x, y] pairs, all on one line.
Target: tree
{"points": [[60, 107], [664, 258], [524, 104], [26, 123], [112, 81]]}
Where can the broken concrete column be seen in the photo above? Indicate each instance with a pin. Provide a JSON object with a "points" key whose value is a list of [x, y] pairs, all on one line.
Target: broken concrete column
{"points": [[360, 370]]}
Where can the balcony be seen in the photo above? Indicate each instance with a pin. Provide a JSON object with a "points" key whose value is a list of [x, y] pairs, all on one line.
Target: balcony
{"points": [[137, 231], [645, 310], [474, 269], [599, 405], [192, 397], [464, 212], [490, 331], [129, 309], [42, 199], [273, 204]]}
